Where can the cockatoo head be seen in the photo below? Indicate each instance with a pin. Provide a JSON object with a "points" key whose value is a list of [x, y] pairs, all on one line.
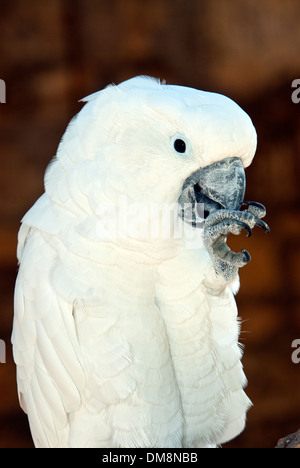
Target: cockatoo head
{"points": [[148, 138], [145, 138]]}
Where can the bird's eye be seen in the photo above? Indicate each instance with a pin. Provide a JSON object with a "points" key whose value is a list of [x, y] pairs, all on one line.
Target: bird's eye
{"points": [[180, 145]]}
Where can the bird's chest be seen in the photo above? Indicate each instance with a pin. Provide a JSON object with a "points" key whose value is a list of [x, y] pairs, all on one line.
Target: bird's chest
{"points": [[151, 334], [202, 332]]}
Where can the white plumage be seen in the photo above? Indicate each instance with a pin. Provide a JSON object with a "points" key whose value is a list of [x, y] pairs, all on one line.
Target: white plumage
{"points": [[123, 341]]}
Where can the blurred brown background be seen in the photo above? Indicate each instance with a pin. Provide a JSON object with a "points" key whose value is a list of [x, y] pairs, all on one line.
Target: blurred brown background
{"points": [[54, 52]]}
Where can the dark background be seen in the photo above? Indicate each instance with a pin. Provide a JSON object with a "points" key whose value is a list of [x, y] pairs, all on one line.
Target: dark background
{"points": [[53, 53]]}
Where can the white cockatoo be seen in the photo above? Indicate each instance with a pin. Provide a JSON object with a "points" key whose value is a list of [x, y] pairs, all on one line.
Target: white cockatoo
{"points": [[126, 335]]}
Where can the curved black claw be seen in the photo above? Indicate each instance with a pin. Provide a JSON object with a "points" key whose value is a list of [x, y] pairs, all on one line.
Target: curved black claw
{"points": [[244, 226], [247, 256], [263, 225], [253, 203]]}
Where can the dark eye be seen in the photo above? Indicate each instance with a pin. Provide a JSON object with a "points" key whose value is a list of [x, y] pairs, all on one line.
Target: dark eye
{"points": [[180, 145]]}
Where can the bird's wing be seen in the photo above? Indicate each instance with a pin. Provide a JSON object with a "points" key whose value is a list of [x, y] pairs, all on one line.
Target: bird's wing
{"points": [[45, 345]]}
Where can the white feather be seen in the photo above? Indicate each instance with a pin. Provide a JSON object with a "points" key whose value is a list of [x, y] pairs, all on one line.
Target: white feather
{"points": [[124, 342]]}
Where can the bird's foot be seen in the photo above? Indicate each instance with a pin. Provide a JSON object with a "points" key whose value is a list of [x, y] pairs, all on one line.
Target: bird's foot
{"points": [[220, 224]]}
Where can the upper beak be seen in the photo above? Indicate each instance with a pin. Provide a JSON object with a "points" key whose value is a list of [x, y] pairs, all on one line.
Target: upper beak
{"points": [[224, 182], [220, 185]]}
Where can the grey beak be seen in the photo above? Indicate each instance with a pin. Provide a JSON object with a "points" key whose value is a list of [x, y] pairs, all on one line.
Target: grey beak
{"points": [[224, 182], [220, 185]]}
